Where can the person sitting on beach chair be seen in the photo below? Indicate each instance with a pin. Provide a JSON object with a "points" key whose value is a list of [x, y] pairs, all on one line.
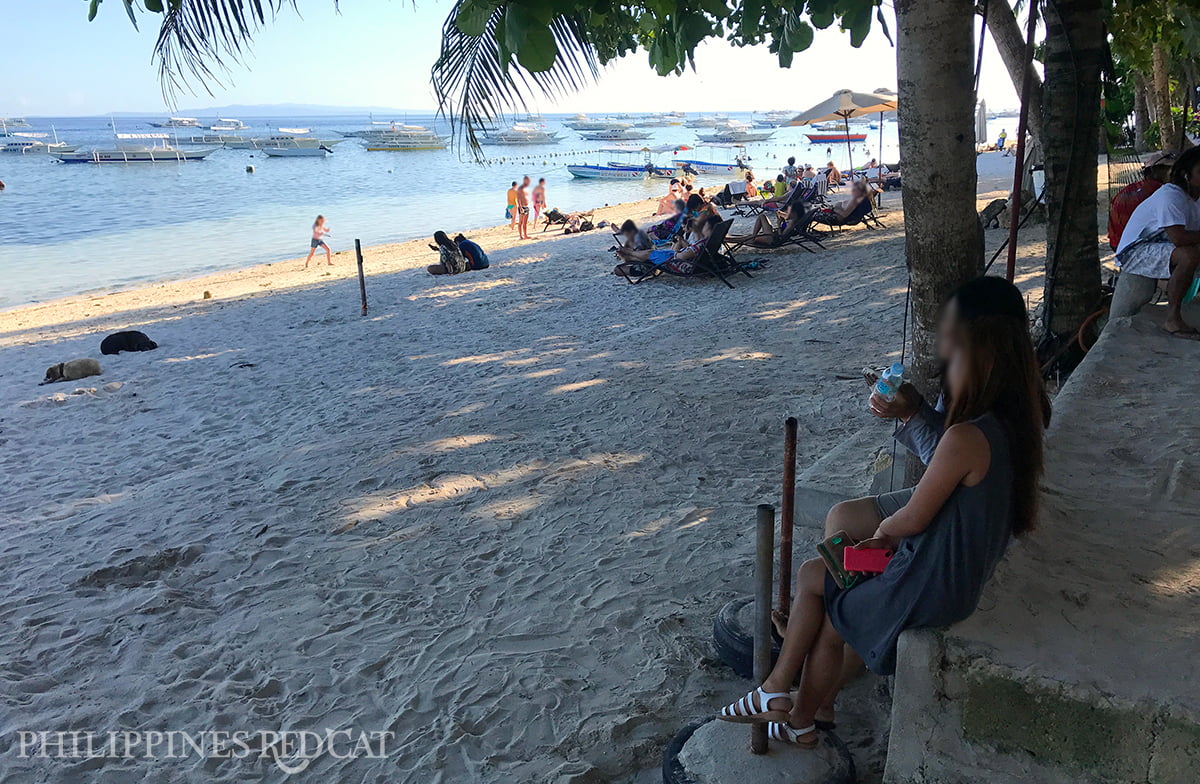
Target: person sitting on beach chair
{"points": [[665, 231], [666, 204], [680, 259], [697, 207], [849, 212], [984, 455], [766, 235], [832, 175], [633, 238]]}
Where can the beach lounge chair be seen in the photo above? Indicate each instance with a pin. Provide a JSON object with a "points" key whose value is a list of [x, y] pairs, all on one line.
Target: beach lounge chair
{"points": [[714, 260], [553, 218], [801, 238], [862, 215]]}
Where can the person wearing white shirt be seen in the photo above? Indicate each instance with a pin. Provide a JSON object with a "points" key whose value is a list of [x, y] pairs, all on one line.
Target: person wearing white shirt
{"points": [[1162, 240]]}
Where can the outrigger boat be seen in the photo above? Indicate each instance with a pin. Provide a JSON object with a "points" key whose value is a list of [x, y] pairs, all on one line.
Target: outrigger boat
{"points": [[135, 153], [295, 152], [616, 135], [625, 171], [286, 138], [692, 166], [840, 136]]}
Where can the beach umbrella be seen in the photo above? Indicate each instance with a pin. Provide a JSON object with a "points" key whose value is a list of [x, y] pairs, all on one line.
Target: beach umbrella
{"points": [[843, 105], [981, 134]]}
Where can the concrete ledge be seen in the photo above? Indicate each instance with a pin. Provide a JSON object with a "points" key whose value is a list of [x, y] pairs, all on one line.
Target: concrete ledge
{"points": [[1081, 663]]}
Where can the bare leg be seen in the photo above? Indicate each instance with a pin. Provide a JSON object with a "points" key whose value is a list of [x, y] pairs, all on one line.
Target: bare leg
{"points": [[822, 671], [310, 255], [859, 518], [328, 256], [852, 666], [1184, 262], [628, 254], [807, 620], [436, 269]]}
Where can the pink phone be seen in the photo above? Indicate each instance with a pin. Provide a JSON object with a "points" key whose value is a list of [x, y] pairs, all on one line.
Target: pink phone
{"points": [[873, 559]]}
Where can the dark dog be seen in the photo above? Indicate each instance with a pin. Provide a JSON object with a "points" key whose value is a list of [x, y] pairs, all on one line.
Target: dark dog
{"points": [[989, 216], [126, 341]]}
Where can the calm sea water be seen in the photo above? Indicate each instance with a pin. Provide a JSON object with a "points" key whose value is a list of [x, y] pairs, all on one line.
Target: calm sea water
{"points": [[81, 227]]}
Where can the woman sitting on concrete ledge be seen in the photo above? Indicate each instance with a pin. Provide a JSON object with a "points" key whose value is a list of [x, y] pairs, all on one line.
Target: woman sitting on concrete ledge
{"points": [[984, 456]]}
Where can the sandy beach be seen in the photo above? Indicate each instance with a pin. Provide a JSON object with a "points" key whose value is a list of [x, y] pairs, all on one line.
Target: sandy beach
{"points": [[495, 516]]}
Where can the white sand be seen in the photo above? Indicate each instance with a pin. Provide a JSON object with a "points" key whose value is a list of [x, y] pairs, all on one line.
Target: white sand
{"points": [[495, 516]]}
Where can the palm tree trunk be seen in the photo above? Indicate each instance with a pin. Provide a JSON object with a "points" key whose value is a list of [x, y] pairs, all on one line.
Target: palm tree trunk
{"points": [[1010, 41], [1141, 114], [1074, 53], [1167, 135], [943, 242]]}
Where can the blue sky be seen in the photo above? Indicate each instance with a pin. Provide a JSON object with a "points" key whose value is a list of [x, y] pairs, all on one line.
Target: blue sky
{"points": [[378, 52]]}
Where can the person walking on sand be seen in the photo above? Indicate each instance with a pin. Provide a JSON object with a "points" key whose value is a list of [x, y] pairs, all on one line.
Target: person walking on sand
{"points": [[523, 208], [510, 211], [319, 230], [539, 200]]}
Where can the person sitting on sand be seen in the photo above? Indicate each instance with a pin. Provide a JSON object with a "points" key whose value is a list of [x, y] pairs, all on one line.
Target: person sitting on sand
{"points": [[475, 256], [850, 211], [634, 238], [1162, 240], [319, 230], [680, 259], [948, 533], [453, 262], [764, 235]]}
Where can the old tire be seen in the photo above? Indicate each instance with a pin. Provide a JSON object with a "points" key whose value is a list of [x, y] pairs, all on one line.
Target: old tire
{"points": [[733, 636]]}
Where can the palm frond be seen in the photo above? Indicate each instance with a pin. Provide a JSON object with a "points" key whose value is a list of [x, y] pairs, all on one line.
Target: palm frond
{"points": [[476, 79], [199, 39]]}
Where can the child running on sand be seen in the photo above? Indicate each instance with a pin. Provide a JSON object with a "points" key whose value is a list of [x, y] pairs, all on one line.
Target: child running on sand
{"points": [[318, 241], [983, 448]]}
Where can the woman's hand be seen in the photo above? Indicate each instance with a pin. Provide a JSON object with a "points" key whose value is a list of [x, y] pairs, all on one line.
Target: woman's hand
{"points": [[907, 403]]}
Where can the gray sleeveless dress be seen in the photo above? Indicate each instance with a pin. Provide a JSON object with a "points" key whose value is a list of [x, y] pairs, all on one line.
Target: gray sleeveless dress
{"points": [[937, 576]]}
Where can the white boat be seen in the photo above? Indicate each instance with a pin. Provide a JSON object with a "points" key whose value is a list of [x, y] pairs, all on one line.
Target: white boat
{"points": [[135, 153], [397, 138], [27, 146], [223, 139], [287, 137], [581, 122], [777, 118], [734, 133], [740, 164], [178, 122], [520, 134], [708, 122], [226, 125], [614, 170], [654, 121], [295, 152], [615, 135], [14, 122]]}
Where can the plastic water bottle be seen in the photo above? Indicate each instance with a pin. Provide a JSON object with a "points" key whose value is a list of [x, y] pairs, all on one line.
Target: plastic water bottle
{"points": [[888, 385]]}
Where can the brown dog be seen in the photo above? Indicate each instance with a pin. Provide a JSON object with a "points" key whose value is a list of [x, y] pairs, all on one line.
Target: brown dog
{"points": [[72, 370]]}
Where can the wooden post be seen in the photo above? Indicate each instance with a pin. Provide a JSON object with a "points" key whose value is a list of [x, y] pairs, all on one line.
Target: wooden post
{"points": [[787, 514], [362, 281], [765, 563]]}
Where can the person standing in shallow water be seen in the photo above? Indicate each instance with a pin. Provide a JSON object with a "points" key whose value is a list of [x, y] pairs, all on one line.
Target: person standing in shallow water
{"points": [[983, 448], [319, 230]]}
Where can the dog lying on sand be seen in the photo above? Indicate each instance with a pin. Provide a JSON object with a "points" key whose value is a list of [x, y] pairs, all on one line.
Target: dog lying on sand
{"points": [[127, 341], [72, 370]]}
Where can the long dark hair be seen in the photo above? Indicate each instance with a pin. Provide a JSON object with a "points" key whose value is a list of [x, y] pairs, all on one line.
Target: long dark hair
{"points": [[1181, 172], [1003, 378]]}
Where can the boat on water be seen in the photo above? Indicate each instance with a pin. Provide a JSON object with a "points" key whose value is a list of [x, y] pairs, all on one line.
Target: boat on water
{"points": [[520, 133], [14, 122], [223, 139], [734, 133], [178, 122], [581, 122], [776, 118], [654, 121], [625, 134], [740, 164], [840, 136], [708, 122], [287, 137], [828, 127], [295, 152], [400, 138], [135, 153], [626, 170], [29, 146], [226, 125]]}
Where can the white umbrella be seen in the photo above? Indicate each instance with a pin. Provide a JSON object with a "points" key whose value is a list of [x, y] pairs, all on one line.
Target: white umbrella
{"points": [[843, 105], [981, 134]]}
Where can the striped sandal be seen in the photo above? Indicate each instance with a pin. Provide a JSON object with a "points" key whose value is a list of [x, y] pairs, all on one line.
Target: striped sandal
{"points": [[752, 709], [783, 732]]}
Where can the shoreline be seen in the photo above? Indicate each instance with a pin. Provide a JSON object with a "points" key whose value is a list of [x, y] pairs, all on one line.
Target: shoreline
{"points": [[287, 274]]}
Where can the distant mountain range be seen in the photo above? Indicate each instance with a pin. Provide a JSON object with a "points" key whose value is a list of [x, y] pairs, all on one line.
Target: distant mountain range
{"points": [[243, 111]]}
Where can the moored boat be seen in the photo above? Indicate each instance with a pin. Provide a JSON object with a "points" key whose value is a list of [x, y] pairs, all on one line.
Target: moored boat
{"points": [[734, 133], [135, 153], [178, 122], [295, 152], [287, 137], [616, 135], [520, 134], [841, 136], [226, 125]]}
